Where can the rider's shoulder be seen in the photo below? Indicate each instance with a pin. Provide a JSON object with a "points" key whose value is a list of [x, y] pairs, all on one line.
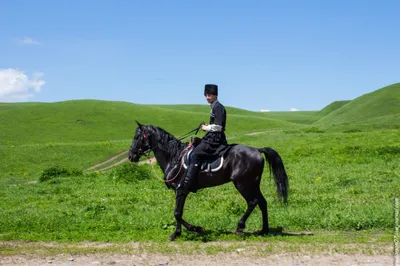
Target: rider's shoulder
{"points": [[218, 104]]}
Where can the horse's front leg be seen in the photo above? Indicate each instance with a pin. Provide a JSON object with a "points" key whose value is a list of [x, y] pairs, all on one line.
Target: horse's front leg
{"points": [[178, 212], [179, 206]]}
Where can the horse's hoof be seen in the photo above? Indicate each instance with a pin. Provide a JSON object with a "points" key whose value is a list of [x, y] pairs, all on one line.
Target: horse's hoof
{"points": [[199, 229], [262, 232], [239, 232], [173, 236]]}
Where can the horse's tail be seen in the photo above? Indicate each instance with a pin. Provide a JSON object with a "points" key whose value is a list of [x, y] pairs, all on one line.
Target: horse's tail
{"points": [[279, 173]]}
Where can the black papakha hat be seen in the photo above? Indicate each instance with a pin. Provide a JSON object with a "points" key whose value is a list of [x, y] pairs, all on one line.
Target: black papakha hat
{"points": [[211, 89]]}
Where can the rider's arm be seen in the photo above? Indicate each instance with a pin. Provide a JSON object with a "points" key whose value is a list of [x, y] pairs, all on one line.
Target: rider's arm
{"points": [[217, 126], [213, 128]]}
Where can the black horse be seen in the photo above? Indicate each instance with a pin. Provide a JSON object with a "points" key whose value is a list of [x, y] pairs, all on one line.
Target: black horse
{"points": [[243, 165]]}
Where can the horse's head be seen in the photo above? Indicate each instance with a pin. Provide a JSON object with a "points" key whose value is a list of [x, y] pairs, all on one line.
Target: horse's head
{"points": [[140, 143]]}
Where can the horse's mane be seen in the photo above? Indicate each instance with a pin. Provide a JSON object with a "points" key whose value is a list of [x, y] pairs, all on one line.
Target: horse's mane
{"points": [[167, 141]]}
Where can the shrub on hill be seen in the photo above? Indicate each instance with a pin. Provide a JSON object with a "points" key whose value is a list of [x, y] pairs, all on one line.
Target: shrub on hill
{"points": [[128, 173], [53, 173]]}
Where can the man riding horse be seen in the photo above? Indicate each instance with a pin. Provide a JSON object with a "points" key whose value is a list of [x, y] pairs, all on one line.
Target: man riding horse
{"points": [[243, 165], [211, 144]]}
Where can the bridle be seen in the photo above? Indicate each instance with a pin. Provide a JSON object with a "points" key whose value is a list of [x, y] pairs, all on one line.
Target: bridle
{"points": [[145, 138]]}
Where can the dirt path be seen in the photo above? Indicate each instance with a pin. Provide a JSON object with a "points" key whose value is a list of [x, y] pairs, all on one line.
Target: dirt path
{"points": [[122, 155], [237, 257], [109, 160], [193, 253], [200, 260]]}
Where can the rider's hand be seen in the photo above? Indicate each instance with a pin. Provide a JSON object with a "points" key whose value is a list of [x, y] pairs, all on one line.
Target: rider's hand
{"points": [[203, 127]]}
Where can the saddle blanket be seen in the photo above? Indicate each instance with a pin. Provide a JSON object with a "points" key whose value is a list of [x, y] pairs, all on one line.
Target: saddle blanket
{"points": [[210, 165]]}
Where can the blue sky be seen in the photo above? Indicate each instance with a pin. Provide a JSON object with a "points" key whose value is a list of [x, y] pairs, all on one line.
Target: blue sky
{"points": [[272, 55]]}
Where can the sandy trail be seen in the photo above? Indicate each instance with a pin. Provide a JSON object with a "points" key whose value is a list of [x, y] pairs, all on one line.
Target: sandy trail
{"points": [[221, 259]]}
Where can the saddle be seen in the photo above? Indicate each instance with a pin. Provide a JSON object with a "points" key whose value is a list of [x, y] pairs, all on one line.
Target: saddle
{"points": [[210, 164]]}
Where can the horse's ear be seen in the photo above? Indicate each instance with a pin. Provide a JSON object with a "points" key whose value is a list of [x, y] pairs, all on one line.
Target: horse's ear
{"points": [[140, 125]]}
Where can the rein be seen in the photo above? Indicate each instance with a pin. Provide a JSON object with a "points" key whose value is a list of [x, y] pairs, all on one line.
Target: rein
{"points": [[180, 168], [191, 131], [147, 152]]}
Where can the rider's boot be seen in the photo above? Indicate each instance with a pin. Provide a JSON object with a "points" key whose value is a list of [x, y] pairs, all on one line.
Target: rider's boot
{"points": [[188, 184]]}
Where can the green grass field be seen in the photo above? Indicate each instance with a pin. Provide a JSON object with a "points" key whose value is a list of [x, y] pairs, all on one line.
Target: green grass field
{"points": [[344, 174]]}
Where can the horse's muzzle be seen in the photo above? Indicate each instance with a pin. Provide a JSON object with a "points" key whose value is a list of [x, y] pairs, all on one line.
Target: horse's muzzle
{"points": [[134, 158]]}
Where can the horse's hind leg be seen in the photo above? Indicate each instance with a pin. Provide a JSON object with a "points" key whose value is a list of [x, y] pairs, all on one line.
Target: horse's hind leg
{"points": [[248, 191], [262, 203]]}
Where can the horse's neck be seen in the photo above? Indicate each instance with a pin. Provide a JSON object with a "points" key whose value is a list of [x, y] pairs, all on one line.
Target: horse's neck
{"points": [[161, 159], [165, 156], [165, 160]]}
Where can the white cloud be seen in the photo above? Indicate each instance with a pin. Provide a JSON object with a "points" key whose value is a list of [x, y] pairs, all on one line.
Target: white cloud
{"points": [[15, 85], [265, 110], [29, 41], [293, 109]]}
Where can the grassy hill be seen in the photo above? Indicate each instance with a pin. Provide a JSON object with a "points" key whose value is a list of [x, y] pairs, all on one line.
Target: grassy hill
{"points": [[9, 106], [83, 132], [80, 133], [331, 107], [93, 120], [380, 104], [300, 117]]}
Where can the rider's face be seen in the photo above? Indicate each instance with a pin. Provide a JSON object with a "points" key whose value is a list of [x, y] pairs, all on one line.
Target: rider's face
{"points": [[211, 98]]}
